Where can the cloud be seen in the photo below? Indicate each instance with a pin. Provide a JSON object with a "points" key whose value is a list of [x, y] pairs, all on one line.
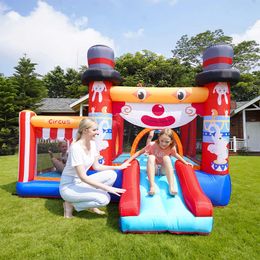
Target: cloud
{"points": [[137, 34], [3, 7], [170, 2], [48, 37], [252, 33]]}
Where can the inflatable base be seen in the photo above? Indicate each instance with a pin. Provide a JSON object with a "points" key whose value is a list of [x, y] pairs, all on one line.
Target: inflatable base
{"points": [[163, 212]]}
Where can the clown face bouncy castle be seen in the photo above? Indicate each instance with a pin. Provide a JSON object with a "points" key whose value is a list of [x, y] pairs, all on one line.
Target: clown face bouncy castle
{"points": [[200, 188]]}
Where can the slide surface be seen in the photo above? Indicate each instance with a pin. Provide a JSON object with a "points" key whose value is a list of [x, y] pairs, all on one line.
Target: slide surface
{"points": [[163, 212]]}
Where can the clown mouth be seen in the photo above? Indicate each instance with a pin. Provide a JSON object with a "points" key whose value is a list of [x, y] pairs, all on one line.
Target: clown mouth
{"points": [[159, 122]]}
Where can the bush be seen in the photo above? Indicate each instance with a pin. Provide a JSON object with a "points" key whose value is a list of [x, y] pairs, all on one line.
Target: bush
{"points": [[7, 149]]}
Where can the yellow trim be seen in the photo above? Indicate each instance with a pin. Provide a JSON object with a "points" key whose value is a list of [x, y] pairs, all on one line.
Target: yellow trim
{"points": [[56, 121], [159, 95]]}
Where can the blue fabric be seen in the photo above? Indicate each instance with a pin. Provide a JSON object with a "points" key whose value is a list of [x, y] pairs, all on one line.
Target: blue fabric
{"points": [[38, 189], [52, 174], [216, 187]]}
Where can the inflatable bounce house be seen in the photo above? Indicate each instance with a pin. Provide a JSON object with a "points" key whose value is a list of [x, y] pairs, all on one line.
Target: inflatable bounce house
{"points": [[199, 188]]}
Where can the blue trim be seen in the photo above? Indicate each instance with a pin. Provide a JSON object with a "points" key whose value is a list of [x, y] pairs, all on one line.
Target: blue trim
{"points": [[38, 189], [216, 187]]}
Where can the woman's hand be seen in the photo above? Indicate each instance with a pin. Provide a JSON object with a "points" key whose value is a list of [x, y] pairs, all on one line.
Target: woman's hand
{"points": [[116, 191], [123, 166]]}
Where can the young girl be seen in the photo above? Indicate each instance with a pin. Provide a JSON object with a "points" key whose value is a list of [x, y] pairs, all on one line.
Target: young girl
{"points": [[60, 162], [159, 160]]}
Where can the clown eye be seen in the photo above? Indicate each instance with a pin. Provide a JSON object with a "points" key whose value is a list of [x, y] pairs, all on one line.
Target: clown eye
{"points": [[141, 94], [181, 94]]}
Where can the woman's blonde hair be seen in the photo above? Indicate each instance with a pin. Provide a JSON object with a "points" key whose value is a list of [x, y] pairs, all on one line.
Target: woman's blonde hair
{"points": [[84, 124], [169, 132]]}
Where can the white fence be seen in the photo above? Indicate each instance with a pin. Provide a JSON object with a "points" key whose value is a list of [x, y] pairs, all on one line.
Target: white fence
{"points": [[236, 144]]}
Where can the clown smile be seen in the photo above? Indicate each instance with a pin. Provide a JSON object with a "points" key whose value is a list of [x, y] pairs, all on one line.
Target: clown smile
{"points": [[158, 122]]}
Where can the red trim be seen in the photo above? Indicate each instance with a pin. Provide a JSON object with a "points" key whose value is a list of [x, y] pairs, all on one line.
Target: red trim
{"points": [[68, 133], [38, 132], [129, 204], [217, 60], [196, 201], [32, 162], [53, 133], [101, 60], [21, 145]]}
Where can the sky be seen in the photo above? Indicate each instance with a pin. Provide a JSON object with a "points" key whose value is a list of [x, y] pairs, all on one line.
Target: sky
{"points": [[60, 32]]}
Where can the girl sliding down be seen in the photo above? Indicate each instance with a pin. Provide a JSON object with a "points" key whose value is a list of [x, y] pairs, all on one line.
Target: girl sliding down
{"points": [[159, 160]]}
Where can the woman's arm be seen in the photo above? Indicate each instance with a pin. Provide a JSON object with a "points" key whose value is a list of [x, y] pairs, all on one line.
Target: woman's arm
{"points": [[80, 169], [100, 167]]}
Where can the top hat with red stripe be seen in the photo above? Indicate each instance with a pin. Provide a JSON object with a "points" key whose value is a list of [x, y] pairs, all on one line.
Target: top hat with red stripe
{"points": [[217, 65], [101, 65]]}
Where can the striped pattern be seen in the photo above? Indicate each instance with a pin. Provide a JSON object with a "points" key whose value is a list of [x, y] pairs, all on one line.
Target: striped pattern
{"points": [[28, 143]]}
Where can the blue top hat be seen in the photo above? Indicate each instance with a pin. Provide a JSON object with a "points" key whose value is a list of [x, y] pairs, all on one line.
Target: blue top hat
{"points": [[217, 65], [101, 65]]}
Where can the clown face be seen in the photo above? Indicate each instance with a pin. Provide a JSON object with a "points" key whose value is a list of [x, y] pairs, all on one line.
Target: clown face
{"points": [[158, 115]]}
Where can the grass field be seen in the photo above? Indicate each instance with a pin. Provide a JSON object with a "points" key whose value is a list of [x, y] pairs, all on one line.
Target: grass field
{"points": [[34, 228]]}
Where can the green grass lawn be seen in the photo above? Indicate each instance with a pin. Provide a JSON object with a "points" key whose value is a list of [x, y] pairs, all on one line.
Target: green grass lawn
{"points": [[34, 228]]}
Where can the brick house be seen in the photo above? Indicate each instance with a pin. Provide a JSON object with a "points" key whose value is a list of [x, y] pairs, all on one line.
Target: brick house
{"points": [[245, 124]]}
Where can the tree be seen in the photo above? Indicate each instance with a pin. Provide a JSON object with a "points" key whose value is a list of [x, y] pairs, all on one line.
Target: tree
{"points": [[56, 83], [8, 117], [154, 70], [30, 89], [74, 87], [190, 49], [64, 85], [248, 87], [246, 56]]}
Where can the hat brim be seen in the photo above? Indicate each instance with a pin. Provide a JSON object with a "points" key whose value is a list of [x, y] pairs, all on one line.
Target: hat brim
{"points": [[100, 75], [223, 75]]}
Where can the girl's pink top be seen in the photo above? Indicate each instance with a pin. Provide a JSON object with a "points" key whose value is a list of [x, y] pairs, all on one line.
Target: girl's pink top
{"points": [[154, 149]]}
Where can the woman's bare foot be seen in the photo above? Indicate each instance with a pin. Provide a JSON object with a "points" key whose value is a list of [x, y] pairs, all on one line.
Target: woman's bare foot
{"points": [[98, 211], [68, 209], [151, 191], [173, 192]]}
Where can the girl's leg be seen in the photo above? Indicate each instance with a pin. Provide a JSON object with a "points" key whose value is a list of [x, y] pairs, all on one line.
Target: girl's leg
{"points": [[167, 165], [151, 173]]}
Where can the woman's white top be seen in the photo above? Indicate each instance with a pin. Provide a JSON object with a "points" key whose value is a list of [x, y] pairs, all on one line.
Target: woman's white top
{"points": [[78, 156]]}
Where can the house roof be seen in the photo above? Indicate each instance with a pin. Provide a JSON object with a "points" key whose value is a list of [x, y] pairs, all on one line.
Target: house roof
{"points": [[56, 105], [77, 103], [244, 104]]}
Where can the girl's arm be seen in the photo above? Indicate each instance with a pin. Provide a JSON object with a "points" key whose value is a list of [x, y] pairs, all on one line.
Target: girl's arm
{"points": [[177, 156], [150, 137], [80, 169], [135, 155]]}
